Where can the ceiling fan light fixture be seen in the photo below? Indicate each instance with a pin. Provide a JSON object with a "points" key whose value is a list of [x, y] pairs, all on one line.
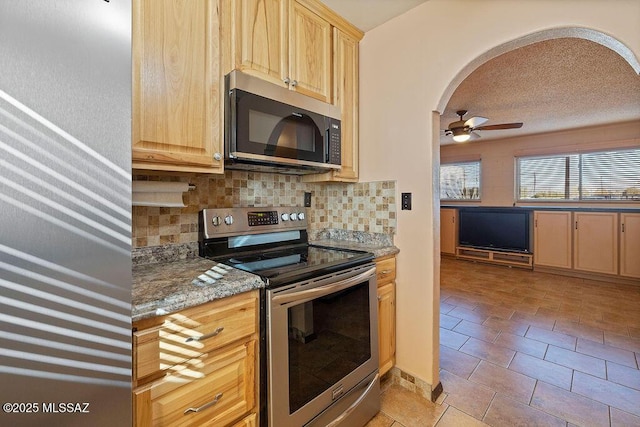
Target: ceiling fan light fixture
{"points": [[460, 135]]}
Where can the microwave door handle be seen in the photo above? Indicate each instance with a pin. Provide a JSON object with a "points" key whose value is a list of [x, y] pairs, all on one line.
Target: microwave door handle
{"points": [[324, 290]]}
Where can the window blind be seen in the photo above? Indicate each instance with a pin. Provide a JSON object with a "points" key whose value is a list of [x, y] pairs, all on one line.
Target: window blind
{"points": [[460, 181], [605, 175]]}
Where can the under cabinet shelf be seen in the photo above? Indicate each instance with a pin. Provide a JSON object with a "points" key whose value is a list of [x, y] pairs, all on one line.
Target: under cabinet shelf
{"points": [[512, 259]]}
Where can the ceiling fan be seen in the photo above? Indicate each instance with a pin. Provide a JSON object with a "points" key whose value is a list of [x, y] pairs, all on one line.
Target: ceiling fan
{"points": [[463, 130]]}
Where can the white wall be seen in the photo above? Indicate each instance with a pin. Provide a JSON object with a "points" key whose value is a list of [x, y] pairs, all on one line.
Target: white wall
{"points": [[406, 66]]}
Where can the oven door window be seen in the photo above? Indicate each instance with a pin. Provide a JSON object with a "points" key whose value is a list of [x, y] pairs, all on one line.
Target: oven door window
{"points": [[329, 337], [271, 128]]}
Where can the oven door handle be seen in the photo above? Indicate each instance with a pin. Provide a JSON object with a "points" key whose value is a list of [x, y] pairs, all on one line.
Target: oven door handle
{"points": [[355, 404], [324, 290]]}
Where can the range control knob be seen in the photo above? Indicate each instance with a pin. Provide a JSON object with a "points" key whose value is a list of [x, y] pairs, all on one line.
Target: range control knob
{"points": [[293, 216], [285, 217], [228, 220], [301, 216], [216, 221]]}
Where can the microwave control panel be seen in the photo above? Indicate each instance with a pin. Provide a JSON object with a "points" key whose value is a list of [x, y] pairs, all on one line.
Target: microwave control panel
{"points": [[334, 142]]}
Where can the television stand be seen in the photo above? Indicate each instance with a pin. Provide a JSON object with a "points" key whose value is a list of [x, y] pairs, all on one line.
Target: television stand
{"points": [[496, 256]]}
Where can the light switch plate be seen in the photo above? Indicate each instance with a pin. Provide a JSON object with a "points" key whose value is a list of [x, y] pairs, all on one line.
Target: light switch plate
{"points": [[406, 201]]}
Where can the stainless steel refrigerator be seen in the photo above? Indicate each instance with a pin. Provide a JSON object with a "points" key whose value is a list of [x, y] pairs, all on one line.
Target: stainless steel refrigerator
{"points": [[65, 215]]}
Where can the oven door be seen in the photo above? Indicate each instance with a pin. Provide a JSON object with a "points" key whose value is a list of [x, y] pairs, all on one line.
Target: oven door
{"points": [[322, 341]]}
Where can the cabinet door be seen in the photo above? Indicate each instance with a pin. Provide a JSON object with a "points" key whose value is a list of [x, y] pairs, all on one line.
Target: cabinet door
{"points": [[250, 421], [176, 94], [387, 326], [309, 53], [260, 28], [552, 239], [216, 391], [448, 230], [630, 245], [596, 242], [345, 72]]}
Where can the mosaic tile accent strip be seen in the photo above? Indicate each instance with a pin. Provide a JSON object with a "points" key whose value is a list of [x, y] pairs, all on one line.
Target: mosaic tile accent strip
{"points": [[361, 207]]}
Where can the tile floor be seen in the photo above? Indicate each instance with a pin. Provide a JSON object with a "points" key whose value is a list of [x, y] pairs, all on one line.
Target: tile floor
{"points": [[522, 348]]}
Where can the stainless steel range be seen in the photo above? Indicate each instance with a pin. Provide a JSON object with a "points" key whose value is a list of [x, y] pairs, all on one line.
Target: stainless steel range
{"points": [[319, 317]]}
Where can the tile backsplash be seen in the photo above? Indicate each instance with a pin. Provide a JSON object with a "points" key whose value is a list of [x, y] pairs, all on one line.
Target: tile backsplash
{"points": [[363, 207]]}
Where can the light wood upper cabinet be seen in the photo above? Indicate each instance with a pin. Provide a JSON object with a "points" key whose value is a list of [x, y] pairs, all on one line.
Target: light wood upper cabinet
{"points": [[282, 42], [176, 86], [260, 37], [346, 82], [630, 245], [306, 47], [595, 243], [552, 239], [309, 53], [448, 230]]}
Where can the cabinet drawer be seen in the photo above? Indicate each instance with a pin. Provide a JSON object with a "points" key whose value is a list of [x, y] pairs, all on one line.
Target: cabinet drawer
{"points": [[250, 421], [385, 270], [193, 332], [215, 390]]}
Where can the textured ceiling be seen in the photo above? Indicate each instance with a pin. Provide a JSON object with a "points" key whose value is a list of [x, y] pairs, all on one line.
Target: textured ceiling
{"points": [[558, 84], [377, 11], [551, 85]]}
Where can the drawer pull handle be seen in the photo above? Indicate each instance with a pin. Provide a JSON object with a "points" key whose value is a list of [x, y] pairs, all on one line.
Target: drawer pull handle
{"points": [[204, 337], [386, 271], [206, 405]]}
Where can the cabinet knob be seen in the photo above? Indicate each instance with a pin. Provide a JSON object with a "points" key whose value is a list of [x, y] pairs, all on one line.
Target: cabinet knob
{"points": [[294, 83], [286, 81], [217, 156]]}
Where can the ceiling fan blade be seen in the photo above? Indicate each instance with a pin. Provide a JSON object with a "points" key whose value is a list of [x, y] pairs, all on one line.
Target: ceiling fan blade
{"points": [[500, 126], [475, 121], [473, 136]]}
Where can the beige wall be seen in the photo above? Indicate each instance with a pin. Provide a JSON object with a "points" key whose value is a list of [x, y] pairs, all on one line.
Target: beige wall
{"points": [[498, 158], [406, 65]]}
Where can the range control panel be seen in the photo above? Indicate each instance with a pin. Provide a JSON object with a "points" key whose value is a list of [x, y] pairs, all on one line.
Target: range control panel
{"points": [[237, 221], [262, 218]]}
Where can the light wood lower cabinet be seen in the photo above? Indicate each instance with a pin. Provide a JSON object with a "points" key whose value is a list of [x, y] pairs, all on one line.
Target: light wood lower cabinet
{"points": [[630, 245], [552, 239], [448, 231], [216, 391], [198, 367], [603, 245], [386, 274], [595, 242], [250, 421]]}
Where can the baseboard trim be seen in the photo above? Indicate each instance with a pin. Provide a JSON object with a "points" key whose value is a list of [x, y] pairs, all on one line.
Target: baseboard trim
{"points": [[413, 384], [587, 275]]}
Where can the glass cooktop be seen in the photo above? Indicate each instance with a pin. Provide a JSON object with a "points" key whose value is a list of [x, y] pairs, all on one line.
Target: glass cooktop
{"points": [[281, 266]]}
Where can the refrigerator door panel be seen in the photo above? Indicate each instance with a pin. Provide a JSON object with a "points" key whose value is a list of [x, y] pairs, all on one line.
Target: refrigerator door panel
{"points": [[65, 212]]}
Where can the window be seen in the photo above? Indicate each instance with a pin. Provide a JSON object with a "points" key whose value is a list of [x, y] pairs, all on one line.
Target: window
{"points": [[460, 181], [604, 175]]}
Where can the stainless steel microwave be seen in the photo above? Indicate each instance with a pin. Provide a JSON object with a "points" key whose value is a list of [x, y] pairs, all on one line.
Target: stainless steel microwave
{"points": [[270, 128]]}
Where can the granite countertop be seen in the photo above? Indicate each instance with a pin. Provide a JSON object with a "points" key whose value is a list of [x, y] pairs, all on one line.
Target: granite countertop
{"points": [[166, 287], [171, 278], [377, 249]]}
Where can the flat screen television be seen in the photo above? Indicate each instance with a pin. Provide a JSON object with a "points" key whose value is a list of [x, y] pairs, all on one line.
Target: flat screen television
{"points": [[495, 228]]}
